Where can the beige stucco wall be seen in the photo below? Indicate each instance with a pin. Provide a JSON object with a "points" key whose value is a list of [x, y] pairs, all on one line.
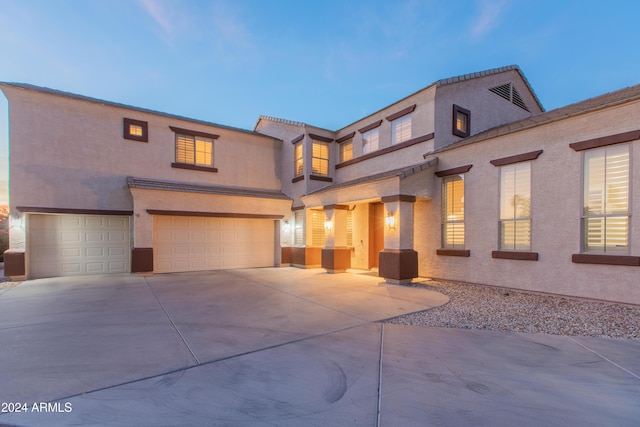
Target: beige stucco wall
{"points": [[556, 209], [487, 109], [71, 153], [178, 201]]}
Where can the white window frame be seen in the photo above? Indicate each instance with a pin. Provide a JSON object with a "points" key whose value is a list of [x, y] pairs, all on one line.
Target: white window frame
{"points": [[188, 148], [607, 216], [401, 129], [343, 150], [370, 141], [298, 159], [319, 164], [450, 221], [514, 208]]}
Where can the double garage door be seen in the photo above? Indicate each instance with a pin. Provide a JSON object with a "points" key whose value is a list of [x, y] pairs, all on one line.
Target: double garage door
{"points": [[69, 245], [183, 243]]}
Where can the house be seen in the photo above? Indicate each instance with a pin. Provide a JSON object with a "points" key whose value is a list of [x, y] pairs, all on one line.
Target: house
{"points": [[467, 179]]}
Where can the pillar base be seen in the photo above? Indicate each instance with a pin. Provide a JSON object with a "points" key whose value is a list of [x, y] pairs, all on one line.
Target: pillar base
{"points": [[398, 266], [14, 264], [336, 260], [142, 260]]}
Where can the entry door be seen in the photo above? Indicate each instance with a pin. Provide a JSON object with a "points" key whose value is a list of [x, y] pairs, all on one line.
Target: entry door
{"points": [[376, 232]]}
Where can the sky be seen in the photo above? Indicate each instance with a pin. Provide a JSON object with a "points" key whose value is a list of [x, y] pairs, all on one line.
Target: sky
{"points": [[326, 63]]}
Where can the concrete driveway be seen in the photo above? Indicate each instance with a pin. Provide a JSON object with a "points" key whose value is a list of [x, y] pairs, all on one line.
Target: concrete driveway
{"points": [[287, 347]]}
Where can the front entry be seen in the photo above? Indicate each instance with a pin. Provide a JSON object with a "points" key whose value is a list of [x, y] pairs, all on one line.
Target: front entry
{"points": [[376, 232]]}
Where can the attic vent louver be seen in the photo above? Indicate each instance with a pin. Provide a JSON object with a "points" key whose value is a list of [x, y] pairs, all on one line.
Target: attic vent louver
{"points": [[508, 92]]}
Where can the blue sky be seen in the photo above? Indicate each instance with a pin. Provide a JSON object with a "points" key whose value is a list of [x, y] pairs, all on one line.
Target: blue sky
{"points": [[326, 63]]}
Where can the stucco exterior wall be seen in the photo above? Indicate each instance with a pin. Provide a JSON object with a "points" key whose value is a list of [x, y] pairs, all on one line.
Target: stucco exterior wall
{"points": [[71, 153], [556, 208], [422, 123], [488, 110]]}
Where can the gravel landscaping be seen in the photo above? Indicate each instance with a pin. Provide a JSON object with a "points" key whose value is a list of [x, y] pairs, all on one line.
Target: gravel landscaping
{"points": [[485, 307]]}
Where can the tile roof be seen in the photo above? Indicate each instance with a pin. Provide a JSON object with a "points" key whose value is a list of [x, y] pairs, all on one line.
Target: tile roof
{"points": [[70, 95], [459, 79], [156, 184], [610, 99]]}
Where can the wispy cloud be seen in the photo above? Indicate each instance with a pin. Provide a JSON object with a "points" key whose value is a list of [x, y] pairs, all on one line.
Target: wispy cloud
{"points": [[488, 18]]}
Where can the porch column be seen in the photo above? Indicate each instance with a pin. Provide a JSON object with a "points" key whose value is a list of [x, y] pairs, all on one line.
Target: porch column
{"points": [[398, 262], [336, 256]]}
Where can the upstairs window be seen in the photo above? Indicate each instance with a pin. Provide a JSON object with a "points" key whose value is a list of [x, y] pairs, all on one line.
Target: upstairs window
{"points": [[515, 207], [320, 158], [194, 150], [453, 212], [135, 130], [401, 129], [298, 159], [461, 121], [346, 151], [370, 141], [606, 213]]}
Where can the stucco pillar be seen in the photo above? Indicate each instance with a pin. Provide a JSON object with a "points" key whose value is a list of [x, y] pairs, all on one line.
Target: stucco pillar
{"points": [[15, 256], [336, 256], [398, 262]]}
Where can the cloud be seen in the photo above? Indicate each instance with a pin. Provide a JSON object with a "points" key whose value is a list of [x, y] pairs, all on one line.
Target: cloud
{"points": [[159, 14], [489, 17]]}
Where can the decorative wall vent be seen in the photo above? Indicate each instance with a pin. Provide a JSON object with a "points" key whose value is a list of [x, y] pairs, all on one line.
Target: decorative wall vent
{"points": [[508, 92]]}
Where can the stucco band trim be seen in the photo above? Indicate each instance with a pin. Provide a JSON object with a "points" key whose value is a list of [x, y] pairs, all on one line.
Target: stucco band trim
{"points": [[401, 113], [606, 140], [31, 209], [346, 137], [454, 252], [194, 167], [213, 214], [398, 198], [523, 256], [320, 178], [606, 259], [387, 150], [320, 137], [454, 171], [371, 126], [524, 157], [194, 132]]}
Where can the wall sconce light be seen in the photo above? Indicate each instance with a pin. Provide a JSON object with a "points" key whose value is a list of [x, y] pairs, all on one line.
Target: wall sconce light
{"points": [[390, 221], [328, 225], [286, 226], [15, 221]]}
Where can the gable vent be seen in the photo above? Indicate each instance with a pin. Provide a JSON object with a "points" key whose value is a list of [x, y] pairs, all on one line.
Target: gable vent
{"points": [[508, 92]]}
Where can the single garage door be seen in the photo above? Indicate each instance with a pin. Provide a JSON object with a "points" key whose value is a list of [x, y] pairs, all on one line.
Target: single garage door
{"points": [[183, 243], [69, 245]]}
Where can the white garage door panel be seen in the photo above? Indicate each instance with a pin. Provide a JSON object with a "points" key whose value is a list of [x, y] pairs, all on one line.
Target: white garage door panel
{"points": [[194, 243], [65, 245]]}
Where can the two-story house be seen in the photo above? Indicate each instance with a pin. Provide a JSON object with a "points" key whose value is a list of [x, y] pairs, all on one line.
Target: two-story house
{"points": [[467, 179]]}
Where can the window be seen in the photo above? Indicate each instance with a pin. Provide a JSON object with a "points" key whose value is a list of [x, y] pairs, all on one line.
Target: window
{"points": [[346, 151], [461, 121], [370, 141], [135, 130], [320, 158], [453, 212], [350, 229], [317, 228], [298, 159], [194, 150], [605, 218], [515, 207], [401, 129], [298, 228]]}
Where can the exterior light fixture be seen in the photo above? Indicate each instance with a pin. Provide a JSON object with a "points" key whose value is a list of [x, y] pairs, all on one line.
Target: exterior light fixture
{"points": [[390, 221], [328, 225], [286, 226]]}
